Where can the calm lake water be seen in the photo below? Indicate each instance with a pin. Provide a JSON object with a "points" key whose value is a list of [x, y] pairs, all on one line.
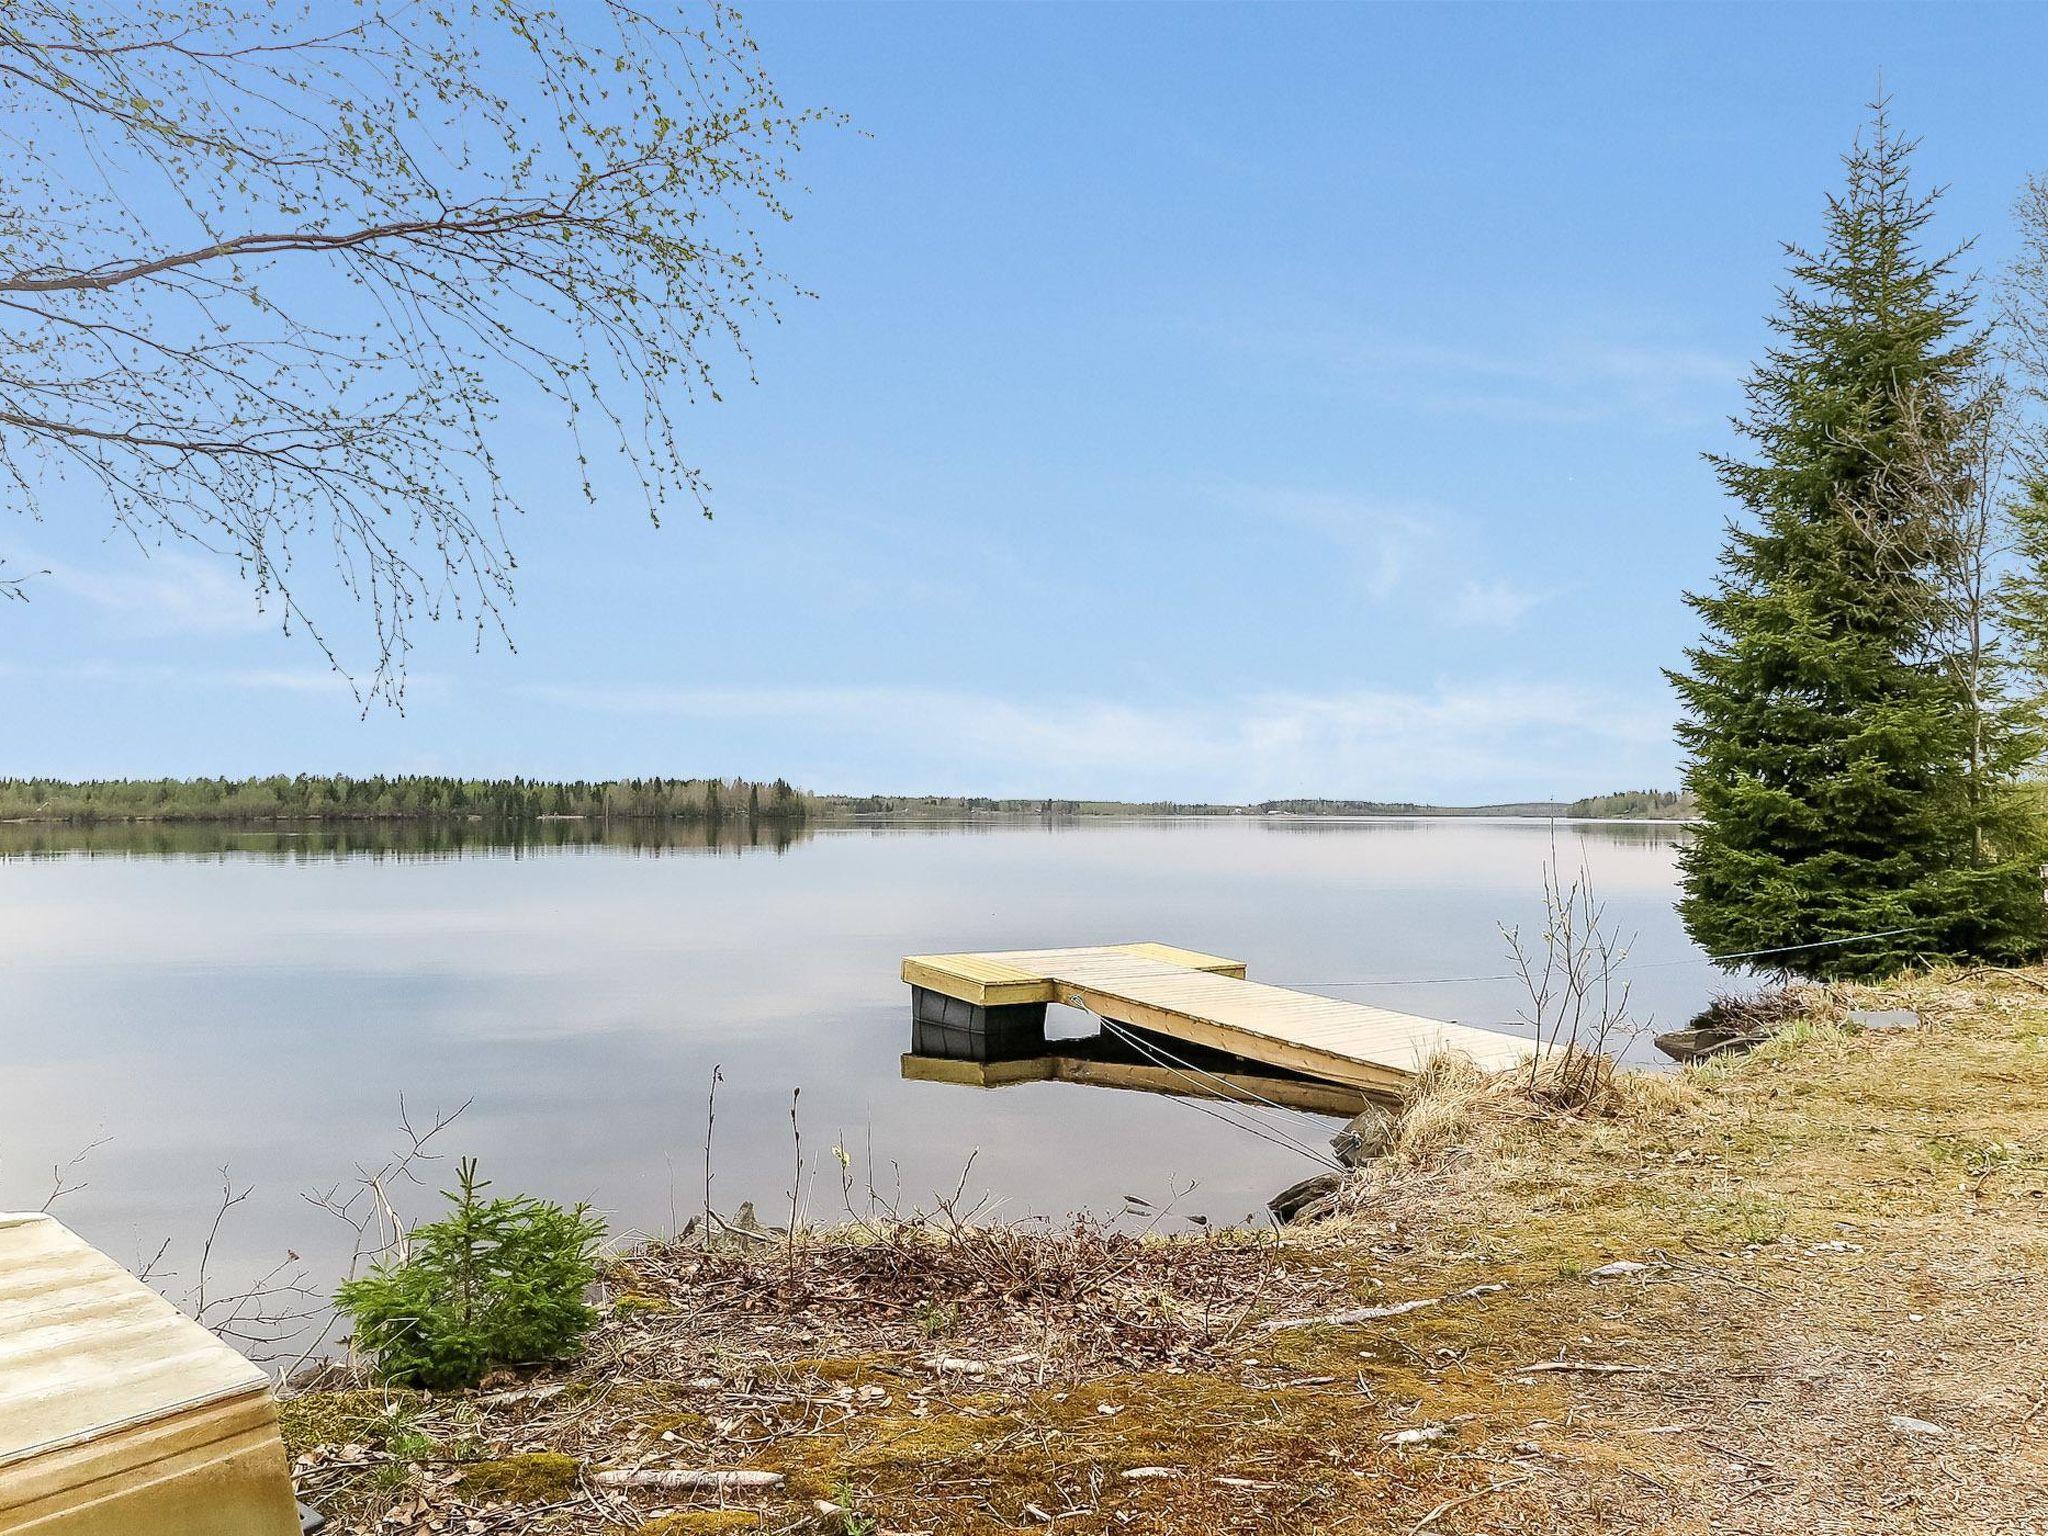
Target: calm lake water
{"points": [[192, 999]]}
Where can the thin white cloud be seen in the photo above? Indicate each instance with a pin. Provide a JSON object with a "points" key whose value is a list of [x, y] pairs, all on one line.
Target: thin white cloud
{"points": [[1385, 543], [158, 675], [1489, 742], [279, 680], [1567, 379], [166, 593], [1400, 550], [1496, 602], [1571, 383]]}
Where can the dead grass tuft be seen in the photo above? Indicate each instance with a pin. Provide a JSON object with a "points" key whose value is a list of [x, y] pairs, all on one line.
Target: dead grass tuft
{"points": [[1764, 1013], [701, 1522], [1441, 1109], [1455, 1111]]}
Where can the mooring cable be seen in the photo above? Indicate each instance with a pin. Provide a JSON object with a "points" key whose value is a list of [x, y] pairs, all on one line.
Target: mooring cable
{"points": [[1124, 1033], [1261, 1129], [1183, 1068], [1284, 1143], [1159, 1055], [1625, 964]]}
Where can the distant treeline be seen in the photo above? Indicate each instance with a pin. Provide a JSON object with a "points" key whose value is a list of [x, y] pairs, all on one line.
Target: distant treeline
{"points": [[426, 797], [977, 805], [1640, 803], [1407, 808], [338, 797]]}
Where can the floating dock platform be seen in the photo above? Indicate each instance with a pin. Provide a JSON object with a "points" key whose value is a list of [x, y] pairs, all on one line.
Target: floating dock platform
{"points": [[991, 1008]]}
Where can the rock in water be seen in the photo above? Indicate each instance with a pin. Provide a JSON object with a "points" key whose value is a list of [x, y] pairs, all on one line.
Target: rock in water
{"points": [[1369, 1135], [1698, 1044], [1884, 1018], [1735, 1023], [1310, 1198]]}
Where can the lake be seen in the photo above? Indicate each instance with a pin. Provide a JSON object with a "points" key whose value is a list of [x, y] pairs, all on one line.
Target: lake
{"points": [[183, 1000]]}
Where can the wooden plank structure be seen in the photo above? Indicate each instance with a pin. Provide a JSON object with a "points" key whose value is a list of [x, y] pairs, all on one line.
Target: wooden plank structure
{"points": [[1066, 1062], [991, 1007], [119, 1415]]}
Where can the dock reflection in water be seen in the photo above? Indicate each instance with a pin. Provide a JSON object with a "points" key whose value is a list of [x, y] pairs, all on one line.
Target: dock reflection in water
{"points": [[1103, 1060]]}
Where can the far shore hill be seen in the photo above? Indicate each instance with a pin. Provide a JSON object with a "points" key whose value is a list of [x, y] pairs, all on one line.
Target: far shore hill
{"points": [[312, 798], [1623, 805]]}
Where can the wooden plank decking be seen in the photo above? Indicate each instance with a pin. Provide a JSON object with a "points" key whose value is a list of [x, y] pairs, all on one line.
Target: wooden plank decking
{"points": [[1206, 999]]}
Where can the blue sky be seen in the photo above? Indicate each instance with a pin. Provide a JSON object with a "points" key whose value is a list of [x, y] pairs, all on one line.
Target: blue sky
{"points": [[1204, 402]]}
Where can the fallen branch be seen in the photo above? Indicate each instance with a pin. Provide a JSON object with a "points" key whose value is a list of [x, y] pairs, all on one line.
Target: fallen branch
{"points": [[1586, 1368], [716, 1480], [1427, 1434], [1353, 1315]]}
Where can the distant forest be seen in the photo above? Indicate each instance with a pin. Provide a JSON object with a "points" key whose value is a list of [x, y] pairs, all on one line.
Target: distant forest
{"points": [[1629, 804], [338, 797], [988, 805], [1647, 804], [432, 797], [1408, 808]]}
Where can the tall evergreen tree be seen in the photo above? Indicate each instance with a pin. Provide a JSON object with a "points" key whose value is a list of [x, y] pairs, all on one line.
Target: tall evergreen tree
{"points": [[1843, 782]]}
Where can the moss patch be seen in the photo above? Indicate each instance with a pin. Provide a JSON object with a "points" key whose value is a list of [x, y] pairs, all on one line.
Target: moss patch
{"points": [[339, 1418], [537, 1478], [855, 1369]]}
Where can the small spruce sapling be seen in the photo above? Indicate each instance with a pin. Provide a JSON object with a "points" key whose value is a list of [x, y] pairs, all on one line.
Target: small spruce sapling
{"points": [[495, 1282]]}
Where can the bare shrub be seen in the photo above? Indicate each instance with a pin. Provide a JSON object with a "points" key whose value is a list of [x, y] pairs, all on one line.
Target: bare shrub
{"points": [[1577, 1007]]}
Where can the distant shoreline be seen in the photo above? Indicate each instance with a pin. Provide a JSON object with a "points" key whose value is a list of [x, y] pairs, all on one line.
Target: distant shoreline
{"points": [[342, 799], [822, 820], [1420, 813]]}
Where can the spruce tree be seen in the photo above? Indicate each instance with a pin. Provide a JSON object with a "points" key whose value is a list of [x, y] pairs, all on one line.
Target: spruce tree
{"points": [[1830, 742]]}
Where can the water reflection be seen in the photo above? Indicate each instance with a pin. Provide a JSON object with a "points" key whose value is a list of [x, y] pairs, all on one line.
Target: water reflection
{"points": [[401, 839], [263, 999], [1174, 1067], [393, 839]]}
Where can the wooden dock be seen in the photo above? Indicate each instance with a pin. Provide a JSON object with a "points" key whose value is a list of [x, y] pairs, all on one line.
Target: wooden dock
{"points": [[991, 1007]]}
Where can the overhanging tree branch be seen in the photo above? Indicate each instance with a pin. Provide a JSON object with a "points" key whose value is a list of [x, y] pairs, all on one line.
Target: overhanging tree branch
{"points": [[477, 202]]}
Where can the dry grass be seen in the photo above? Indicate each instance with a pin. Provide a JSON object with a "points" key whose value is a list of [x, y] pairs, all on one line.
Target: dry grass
{"points": [[1455, 1111], [1836, 1231], [1764, 1013]]}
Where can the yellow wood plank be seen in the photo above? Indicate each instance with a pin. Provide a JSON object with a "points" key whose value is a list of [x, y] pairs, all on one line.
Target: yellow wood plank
{"points": [[973, 980], [1026, 975], [977, 1074], [1193, 959], [1206, 999]]}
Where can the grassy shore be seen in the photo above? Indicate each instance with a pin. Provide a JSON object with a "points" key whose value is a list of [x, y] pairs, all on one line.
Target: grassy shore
{"points": [[1840, 1324]]}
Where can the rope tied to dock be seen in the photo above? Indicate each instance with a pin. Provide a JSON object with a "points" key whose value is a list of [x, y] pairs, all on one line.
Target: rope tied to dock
{"points": [[1640, 965], [1183, 1068]]}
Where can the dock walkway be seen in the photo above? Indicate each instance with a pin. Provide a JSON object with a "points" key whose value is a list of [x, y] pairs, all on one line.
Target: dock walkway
{"points": [[1185, 995]]}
